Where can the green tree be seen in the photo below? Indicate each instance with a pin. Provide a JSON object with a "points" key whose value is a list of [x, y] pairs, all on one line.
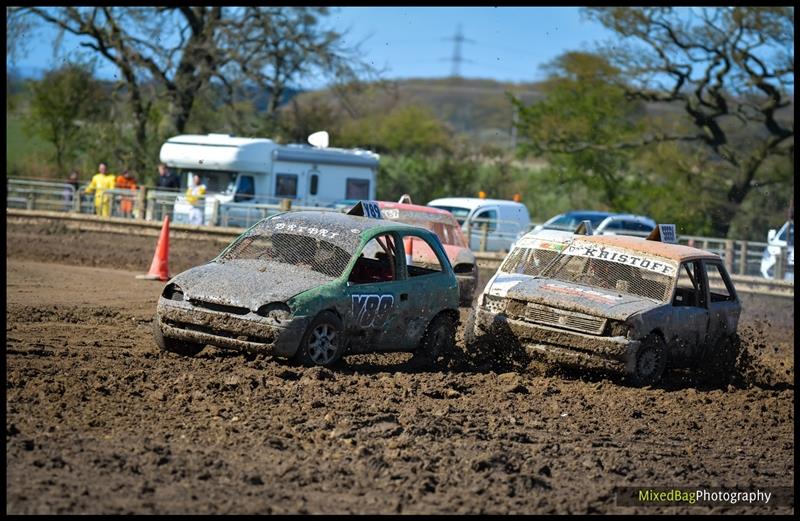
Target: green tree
{"points": [[62, 104], [583, 105], [409, 129]]}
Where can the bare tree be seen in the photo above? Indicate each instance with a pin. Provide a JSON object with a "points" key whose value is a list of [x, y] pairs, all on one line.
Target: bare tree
{"points": [[180, 50], [730, 69]]}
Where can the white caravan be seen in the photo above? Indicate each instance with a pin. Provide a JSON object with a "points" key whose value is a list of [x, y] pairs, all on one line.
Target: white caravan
{"points": [[260, 171]]}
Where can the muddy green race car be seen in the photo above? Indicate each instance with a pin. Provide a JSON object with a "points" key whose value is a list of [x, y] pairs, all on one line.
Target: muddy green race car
{"points": [[314, 285]]}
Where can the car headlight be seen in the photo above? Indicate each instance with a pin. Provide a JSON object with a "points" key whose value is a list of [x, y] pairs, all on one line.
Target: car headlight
{"points": [[172, 292], [278, 312], [616, 328], [495, 304]]}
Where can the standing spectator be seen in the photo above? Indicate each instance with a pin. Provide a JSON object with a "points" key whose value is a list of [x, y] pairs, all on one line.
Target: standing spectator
{"points": [[167, 179], [101, 182], [196, 196], [69, 194], [126, 181]]}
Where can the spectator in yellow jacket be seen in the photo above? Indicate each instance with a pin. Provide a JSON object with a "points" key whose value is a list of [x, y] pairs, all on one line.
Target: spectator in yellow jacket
{"points": [[101, 182], [196, 196]]}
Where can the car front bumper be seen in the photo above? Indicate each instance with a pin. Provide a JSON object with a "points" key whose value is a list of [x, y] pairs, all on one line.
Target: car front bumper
{"points": [[249, 333], [560, 345]]}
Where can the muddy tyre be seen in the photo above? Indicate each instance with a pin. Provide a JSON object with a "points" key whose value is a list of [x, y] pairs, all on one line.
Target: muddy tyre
{"points": [[173, 345], [651, 361], [439, 341], [323, 342]]}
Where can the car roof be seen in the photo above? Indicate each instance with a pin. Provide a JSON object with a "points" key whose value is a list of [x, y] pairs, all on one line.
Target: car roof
{"points": [[676, 252], [413, 208], [472, 202], [332, 219]]}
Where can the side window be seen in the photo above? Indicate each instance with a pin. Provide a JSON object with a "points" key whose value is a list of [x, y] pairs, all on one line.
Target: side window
{"points": [[377, 261], [689, 290], [616, 224], [246, 188], [286, 185], [488, 217], [357, 189], [421, 258], [719, 286], [313, 184]]}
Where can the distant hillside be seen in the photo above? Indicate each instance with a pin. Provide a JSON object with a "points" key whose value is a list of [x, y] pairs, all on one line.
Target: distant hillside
{"points": [[479, 109]]}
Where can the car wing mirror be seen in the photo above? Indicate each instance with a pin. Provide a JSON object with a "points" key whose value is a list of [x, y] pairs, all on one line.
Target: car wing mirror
{"points": [[771, 235]]}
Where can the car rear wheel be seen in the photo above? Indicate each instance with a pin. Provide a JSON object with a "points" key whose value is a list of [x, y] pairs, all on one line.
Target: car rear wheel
{"points": [[173, 345], [439, 339], [323, 342], [651, 361]]}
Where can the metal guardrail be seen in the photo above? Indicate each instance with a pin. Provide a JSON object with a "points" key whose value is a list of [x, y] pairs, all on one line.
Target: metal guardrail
{"points": [[152, 204], [486, 260]]}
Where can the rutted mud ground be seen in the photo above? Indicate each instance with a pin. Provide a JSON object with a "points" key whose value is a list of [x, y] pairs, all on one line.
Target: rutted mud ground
{"points": [[99, 421]]}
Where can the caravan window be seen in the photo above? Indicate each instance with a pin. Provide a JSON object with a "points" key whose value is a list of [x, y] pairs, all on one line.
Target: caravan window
{"points": [[357, 189], [286, 185]]}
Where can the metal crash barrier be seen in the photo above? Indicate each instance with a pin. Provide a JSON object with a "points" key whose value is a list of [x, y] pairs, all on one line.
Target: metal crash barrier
{"points": [[742, 258], [42, 195]]}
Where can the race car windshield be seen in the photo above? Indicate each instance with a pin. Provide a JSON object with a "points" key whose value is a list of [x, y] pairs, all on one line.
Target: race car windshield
{"points": [[614, 276], [528, 261], [311, 248]]}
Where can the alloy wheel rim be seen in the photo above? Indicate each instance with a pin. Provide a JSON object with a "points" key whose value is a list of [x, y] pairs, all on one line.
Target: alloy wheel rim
{"points": [[322, 344], [648, 361]]}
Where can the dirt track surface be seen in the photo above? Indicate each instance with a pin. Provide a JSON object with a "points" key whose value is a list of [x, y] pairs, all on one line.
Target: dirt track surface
{"points": [[100, 421]]}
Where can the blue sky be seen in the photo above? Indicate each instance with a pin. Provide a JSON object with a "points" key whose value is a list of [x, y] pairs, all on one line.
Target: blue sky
{"points": [[504, 43]]}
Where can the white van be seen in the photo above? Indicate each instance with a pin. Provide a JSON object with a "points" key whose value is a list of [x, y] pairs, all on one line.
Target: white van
{"points": [[506, 220], [260, 171]]}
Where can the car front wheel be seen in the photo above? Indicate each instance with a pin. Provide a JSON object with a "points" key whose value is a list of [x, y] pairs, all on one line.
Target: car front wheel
{"points": [[651, 361], [323, 342]]}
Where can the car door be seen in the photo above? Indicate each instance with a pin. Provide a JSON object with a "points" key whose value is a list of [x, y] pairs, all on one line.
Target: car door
{"points": [[689, 321], [723, 303], [377, 297], [427, 271]]}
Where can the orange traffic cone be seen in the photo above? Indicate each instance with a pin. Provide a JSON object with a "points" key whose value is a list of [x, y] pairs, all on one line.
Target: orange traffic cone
{"points": [[159, 268]]}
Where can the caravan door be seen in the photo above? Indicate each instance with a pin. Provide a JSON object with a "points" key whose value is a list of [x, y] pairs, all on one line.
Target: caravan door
{"points": [[312, 184]]}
